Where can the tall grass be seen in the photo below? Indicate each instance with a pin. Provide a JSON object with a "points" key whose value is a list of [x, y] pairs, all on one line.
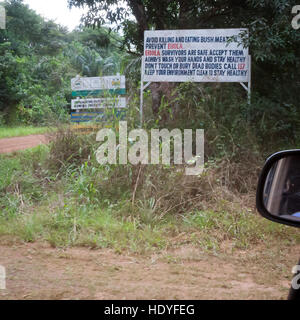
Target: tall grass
{"points": [[59, 193], [72, 201]]}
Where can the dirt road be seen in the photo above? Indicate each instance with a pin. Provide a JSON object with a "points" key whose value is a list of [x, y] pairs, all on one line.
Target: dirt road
{"points": [[37, 271], [21, 143]]}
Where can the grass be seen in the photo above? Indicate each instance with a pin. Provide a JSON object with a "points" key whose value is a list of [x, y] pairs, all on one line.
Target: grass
{"points": [[243, 229], [68, 224], [9, 132], [75, 209], [83, 226]]}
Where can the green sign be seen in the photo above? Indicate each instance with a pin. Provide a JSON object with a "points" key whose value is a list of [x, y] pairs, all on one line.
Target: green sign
{"points": [[86, 93]]}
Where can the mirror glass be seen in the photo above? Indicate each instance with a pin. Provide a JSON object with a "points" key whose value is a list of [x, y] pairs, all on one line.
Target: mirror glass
{"points": [[282, 188]]}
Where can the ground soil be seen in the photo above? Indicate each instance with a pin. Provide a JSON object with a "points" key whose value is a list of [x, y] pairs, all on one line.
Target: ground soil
{"points": [[21, 143], [37, 271]]}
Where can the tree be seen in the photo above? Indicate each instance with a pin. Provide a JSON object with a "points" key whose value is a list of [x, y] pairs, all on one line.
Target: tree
{"points": [[274, 44], [95, 52], [24, 45], [38, 58]]}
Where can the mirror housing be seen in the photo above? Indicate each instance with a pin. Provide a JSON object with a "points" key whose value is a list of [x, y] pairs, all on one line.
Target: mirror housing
{"points": [[278, 190]]}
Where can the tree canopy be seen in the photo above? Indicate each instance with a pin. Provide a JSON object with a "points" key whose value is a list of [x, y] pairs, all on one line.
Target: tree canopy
{"points": [[39, 57]]}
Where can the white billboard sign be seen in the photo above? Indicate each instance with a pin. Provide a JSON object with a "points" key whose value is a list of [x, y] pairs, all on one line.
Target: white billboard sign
{"points": [[205, 55], [98, 103], [98, 83]]}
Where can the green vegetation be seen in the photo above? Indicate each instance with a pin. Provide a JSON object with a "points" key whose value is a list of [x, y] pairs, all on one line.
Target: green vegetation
{"points": [[59, 193], [8, 132], [38, 58], [47, 195]]}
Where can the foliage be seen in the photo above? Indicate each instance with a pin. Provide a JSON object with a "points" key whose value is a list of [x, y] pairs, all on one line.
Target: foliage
{"points": [[76, 207], [118, 206], [38, 58]]}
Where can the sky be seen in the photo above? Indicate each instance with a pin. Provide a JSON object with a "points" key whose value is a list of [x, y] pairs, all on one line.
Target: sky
{"points": [[57, 10]]}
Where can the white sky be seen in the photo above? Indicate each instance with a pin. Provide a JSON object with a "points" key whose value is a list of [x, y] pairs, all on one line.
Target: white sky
{"points": [[57, 10]]}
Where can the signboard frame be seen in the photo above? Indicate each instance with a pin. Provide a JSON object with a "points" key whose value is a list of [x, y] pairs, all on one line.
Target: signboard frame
{"points": [[104, 83], [107, 93], [145, 78]]}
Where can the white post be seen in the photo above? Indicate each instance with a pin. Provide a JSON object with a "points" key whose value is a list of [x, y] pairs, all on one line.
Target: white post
{"points": [[249, 82], [142, 93], [248, 87]]}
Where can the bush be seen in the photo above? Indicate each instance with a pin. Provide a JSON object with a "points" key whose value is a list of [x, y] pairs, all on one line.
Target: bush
{"points": [[69, 149]]}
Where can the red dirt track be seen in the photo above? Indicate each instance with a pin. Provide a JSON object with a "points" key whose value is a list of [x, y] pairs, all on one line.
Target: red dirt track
{"points": [[21, 143]]}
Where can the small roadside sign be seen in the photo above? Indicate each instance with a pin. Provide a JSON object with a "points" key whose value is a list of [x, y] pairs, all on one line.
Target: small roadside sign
{"points": [[98, 93], [113, 84]]}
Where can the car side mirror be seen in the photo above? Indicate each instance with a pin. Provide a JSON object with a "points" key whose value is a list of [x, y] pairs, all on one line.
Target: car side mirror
{"points": [[278, 191]]}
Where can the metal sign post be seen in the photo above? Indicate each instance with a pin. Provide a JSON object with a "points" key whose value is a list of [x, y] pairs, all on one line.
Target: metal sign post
{"points": [[143, 87], [248, 87]]}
